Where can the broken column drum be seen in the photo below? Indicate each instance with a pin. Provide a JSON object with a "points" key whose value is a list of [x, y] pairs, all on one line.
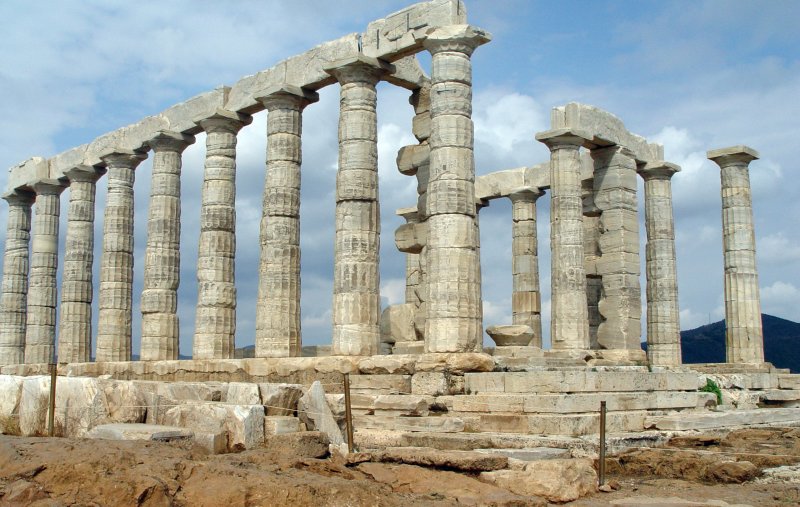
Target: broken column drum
{"points": [[454, 322], [526, 305]]}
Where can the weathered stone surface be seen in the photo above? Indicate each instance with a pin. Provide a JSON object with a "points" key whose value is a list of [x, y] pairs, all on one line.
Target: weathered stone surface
{"points": [[79, 406], [438, 424], [14, 295], [778, 475], [280, 399], [125, 401], [381, 384], [456, 362], [431, 383], [708, 420], [581, 381], [397, 323], [123, 431], [394, 364], [10, 393], [556, 480], [528, 454], [304, 444], [244, 424], [241, 393], [280, 424], [513, 335], [429, 457], [402, 404], [314, 411]]}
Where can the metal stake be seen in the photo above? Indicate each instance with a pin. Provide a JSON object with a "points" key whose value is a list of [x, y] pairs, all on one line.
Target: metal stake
{"points": [[348, 414], [52, 412], [602, 478]]}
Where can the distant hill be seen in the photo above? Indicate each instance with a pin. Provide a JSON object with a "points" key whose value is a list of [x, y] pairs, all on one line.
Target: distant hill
{"points": [[706, 344]]}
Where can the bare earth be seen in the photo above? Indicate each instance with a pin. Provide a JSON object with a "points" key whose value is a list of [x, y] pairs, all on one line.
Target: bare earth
{"points": [[701, 470]]}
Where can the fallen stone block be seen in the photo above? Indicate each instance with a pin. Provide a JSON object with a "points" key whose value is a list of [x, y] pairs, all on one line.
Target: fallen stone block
{"points": [[125, 431], [241, 393], [125, 401], [280, 424], [557, 480], [79, 406], [465, 461], [314, 411], [280, 399], [10, 393], [244, 424]]}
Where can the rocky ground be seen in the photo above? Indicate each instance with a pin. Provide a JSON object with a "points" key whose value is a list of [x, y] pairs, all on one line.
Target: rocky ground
{"points": [[295, 470]]}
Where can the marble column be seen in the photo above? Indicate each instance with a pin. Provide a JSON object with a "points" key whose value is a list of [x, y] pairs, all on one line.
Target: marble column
{"points": [[14, 296], [620, 304], [356, 277], [115, 305], [744, 337], [526, 306], [278, 305], [162, 258], [454, 322], [215, 320], [569, 322], [40, 334], [663, 313], [75, 312]]}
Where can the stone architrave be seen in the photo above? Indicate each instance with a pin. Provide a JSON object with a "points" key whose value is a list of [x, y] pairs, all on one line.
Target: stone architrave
{"points": [[454, 322], [356, 279], [115, 305], [278, 305], [162, 261], [663, 314], [40, 333], [569, 322], [215, 321], [14, 296], [526, 304], [744, 339], [77, 288], [620, 304]]}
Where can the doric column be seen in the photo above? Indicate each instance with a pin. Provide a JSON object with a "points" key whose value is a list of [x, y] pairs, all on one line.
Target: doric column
{"points": [[278, 304], [744, 338], [618, 264], [162, 258], [115, 305], [215, 321], [356, 278], [663, 314], [75, 314], [14, 296], [569, 322], [454, 322], [40, 335], [526, 304]]}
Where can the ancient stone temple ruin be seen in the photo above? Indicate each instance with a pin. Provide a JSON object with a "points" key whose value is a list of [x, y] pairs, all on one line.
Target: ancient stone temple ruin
{"points": [[418, 368]]}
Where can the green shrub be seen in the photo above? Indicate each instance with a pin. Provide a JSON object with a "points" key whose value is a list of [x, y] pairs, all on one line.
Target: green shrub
{"points": [[712, 387]]}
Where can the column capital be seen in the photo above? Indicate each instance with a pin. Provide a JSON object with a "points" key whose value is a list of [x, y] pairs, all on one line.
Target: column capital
{"points": [[410, 214], [358, 69], [455, 38], [739, 154], [658, 170], [84, 173], [123, 158], [166, 140], [19, 198], [224, 121], [525, 194], [286, 96], [564, 138], [48, 187]]}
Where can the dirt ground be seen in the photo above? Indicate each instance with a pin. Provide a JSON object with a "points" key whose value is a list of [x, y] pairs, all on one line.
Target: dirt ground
{"points": [[290, 471]]}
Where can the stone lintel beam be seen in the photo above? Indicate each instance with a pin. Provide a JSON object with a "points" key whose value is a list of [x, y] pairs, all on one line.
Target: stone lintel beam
{"points": [[734, 154], [658, 169]]}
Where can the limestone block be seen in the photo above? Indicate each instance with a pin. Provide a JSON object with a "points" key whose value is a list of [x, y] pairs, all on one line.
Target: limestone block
{"points": [[241, 393], [433, 424], [381, 384], [10, 393], [125, 401], [466, 461], [431, 383], [708, 420], [789, 381], [280, 399], [23, 174], [409, 348], [244, 424], [421, 126], [455, 363], [279, 425], [397, 323], [513, 335], [79, 406], [411, 238], [123, 431], [314, 411], [402, 404], [557, 480], [181, 117], [565, 381], [411, 157]]}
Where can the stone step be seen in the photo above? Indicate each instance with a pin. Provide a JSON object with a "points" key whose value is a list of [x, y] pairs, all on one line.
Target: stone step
{"points": [[779, 395], [437, 424], [380, 384], [581, 402], [789, 381], [530, 453], [378, 439], [553, 424], [132, 431], [714, 420], [577, 381]]}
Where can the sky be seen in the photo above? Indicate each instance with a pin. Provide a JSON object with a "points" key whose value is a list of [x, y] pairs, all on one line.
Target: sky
{"points": [[691, 75]]}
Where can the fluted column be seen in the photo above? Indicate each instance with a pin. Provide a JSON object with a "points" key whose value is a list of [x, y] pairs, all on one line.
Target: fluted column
{"points": [[278, 305], [40, 334], [412, 261], [115, 305], [744, 337], [162, 258], [14, 296], [526, 304], [615, 196], [569, 322], [663, 314], [215, 321], [75, 314], [454, 322], [356, 277]]}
